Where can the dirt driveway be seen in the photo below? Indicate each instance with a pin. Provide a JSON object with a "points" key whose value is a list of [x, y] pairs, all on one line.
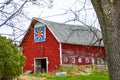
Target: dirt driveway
{"points": [[28, 78]]}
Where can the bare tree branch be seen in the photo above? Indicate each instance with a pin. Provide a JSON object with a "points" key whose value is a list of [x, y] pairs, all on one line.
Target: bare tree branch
{"points": [[14, 14]]}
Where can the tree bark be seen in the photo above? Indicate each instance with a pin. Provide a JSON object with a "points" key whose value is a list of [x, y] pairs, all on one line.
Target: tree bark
{"points": [[108, 12]]}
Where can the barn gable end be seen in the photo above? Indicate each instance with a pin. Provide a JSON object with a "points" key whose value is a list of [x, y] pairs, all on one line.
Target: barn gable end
{"points": [[36, 51]]}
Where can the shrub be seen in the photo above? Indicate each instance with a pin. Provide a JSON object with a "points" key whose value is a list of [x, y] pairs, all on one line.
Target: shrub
{"points": [[11, 60]]}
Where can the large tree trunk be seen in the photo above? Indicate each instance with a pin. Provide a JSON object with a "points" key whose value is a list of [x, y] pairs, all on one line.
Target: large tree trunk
{"points": [[108, 12]]}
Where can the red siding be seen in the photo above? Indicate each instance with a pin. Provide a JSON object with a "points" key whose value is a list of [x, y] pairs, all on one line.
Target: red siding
{"points": [[70, 51], [49, 49]]}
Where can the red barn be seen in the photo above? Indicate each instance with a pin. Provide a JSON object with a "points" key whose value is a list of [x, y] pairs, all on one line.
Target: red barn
{"points": [[47, 45]]}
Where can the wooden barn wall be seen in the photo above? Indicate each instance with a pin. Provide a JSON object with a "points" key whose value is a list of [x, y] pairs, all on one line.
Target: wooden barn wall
{"points": [[70, 52], [49, 49]]}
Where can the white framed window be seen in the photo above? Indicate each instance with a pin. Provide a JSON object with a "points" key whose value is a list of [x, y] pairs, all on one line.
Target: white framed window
{"points": [[100, 61], [93, 60], [79, 60], [87, 60], [73, 59], [65, 59]]}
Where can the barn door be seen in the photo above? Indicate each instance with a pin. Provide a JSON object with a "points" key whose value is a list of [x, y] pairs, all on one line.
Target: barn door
{"points": [[40, 65]]}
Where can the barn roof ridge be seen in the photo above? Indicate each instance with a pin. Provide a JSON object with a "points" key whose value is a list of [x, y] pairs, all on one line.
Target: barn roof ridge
{"points": [[66, 33], [43, 20], [72, 34]]}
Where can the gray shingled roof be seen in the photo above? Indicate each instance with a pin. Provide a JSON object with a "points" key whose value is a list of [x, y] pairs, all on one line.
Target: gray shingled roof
{"points": [[73, 34]]}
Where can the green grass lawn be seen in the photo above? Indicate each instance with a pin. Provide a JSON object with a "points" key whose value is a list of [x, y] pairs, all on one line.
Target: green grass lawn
{"points": [[93, 76]]}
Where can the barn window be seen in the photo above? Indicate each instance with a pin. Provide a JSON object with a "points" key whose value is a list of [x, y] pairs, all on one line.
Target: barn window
{"points": [[93, 60], [79, 60], [87, 60], [73, 59], [100, 61], [65, 59]]}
